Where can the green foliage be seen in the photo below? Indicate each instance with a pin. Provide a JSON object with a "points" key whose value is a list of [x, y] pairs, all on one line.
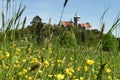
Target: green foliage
{"points": [[36, 29], [67, 39], [78, 36], [109, 43], [86, 37], [1, 37], [57, 31], [23, 60], [83, 37], [91, 39], [118, 43]]}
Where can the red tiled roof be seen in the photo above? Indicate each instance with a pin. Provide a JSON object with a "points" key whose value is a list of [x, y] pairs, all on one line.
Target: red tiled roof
{"points": [[87, 25], [66, 23], [81, 25], [70, 23]]}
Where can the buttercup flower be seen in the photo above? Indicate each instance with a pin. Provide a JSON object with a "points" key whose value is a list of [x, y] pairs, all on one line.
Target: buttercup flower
{"points": [[81, 78], [29, 49], [24, 60], [109, 77], [60, 76], [7, 54], [18, 49], [107, 70], [95, 76], [69, 71], [20, 73], [24, 71], [78, 68], [50, 76], [85, 68], [46, 63], [90, 62], [34, 60]]}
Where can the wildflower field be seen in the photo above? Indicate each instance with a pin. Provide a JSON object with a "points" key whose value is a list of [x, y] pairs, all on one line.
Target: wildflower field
{"points": [[24, 55], [19, 61]]}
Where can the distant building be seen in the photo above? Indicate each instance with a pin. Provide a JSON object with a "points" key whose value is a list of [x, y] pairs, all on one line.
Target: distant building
{"points": [[66, 23], [76, 19], [76, 22], [87, 25]]}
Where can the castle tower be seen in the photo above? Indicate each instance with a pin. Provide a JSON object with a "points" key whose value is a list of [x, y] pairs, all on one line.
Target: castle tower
{"points": [[76, 19]]}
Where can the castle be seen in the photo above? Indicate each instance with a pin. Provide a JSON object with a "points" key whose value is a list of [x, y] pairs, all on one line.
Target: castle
{"points": [[76, 22]]}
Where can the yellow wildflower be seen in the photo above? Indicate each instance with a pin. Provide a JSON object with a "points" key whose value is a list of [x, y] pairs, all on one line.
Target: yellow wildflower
{"points": [[16, 65], [40, 71], [34, 60], [58, 65], [20, 73], [6, 67], [107, 70], [90, 62], [60, 61], [26, 76], [7, 54], [69, 64], [18, 49], [81, 78], [29, 68], [109, 77], [43, 49], [1, 56], [23, 60], [93, 70], [69, 71], [95, 76], [29, 49], [50, 76], [85, 68], [29, 78], [78, 68], [60, 76], [16, 62], [71, 59], [24, 71], [50, 50], [46, 63]]}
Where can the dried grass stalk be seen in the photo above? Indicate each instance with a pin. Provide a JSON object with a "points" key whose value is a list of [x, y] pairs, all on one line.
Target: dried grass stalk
{"points": [[102, 30], [65, 2], [24, 21], [3, 19]]}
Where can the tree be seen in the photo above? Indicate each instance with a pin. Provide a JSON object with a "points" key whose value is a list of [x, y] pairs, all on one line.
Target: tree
{"points": [[109, 43], [36, 28], [67, 39], [83, 36]]}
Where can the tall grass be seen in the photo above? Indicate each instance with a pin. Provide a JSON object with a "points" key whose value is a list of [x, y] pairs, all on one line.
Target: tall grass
{"points": [[24, 60], [100, 44], [65, 3]]}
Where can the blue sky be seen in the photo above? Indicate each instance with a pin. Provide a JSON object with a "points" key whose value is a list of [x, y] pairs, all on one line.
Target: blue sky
{"points": [[89, 10]]}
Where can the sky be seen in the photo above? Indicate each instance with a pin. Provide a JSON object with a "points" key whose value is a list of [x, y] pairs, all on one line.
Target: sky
{"points": [[88, 10]]}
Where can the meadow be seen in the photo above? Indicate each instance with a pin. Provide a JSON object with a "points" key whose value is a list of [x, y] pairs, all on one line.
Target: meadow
{"points": [[23, 58]]}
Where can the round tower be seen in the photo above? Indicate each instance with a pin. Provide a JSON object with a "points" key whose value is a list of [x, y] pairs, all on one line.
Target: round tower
{"points": [[76, 19]]}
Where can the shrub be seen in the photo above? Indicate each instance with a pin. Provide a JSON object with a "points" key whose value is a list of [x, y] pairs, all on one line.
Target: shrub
{"points": [[109, 43], [67, 39]]}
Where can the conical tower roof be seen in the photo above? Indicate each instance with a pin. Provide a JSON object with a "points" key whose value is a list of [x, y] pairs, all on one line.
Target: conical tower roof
{"points": [[76, 15]]}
